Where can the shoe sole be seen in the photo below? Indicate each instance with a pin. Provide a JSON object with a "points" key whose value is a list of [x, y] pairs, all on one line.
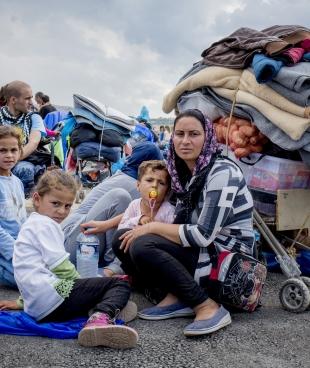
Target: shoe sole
{"points": [[225, 321], [117, 337], [176, 314], [129, 312]]}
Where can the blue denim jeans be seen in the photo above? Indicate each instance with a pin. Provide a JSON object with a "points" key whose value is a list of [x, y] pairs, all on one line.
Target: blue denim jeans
{"points": [[27, 172], [7, 273]]}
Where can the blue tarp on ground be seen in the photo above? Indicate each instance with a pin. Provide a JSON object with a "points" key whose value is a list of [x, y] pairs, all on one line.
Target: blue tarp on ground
{"points": [[20, 323]]}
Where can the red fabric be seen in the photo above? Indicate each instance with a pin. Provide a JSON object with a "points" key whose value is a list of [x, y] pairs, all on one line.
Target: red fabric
{"points": [[294, 54], [70, 162], [305, 44], [215, 271]]}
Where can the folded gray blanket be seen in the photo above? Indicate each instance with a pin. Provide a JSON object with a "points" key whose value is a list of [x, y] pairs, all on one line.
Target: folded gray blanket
{"points": [[193, 70], [293, 82], [196, 100], [103, 111]]}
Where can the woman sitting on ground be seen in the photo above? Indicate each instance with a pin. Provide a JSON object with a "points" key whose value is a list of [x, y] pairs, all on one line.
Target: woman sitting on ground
{"points": [[213, 214]]}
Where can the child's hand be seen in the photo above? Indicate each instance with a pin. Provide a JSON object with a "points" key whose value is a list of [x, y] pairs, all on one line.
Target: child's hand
{"points": [[94, 227], [9, 305], [144, 220]]}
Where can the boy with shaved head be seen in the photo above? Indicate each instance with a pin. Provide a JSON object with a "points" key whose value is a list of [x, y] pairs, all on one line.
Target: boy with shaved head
{"points": [[17, 113]]}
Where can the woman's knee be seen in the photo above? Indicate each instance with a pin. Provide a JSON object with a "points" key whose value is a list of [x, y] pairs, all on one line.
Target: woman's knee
{"points": [[119, 283], [141, 247]]}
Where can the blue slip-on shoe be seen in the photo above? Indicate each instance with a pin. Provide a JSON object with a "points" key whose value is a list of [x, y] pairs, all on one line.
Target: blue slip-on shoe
{"points": [[170, 311], [219, 320]]}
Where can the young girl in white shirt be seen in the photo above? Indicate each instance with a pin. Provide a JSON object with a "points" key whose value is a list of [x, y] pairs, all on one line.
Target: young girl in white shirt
{"points": [[12, 201], [49, 284]]}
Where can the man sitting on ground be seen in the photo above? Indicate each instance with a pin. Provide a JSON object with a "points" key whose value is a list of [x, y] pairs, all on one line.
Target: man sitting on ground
{"points": [[17, 112]]}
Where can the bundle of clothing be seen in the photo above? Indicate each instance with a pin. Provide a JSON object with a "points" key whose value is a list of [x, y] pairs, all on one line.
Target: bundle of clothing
{"points": [[100, 130], [259, 76]]}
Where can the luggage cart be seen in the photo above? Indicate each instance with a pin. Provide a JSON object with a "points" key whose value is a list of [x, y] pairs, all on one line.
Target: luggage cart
{"points": [[295, 291]]}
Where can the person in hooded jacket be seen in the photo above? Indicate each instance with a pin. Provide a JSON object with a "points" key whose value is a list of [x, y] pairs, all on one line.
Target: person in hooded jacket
{"points": [[102, 209]]}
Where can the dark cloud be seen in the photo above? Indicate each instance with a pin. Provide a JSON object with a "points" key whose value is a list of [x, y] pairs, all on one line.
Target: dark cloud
{"points": [[125, 53]]}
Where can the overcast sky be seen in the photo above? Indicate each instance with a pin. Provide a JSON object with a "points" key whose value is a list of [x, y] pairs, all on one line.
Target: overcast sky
{"points": [[124, 53]]}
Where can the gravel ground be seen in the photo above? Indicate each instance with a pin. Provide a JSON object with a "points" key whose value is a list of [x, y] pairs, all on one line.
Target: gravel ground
{"points": [[270, 337]]}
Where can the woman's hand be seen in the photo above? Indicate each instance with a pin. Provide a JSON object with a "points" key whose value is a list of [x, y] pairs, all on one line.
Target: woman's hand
{"points": [[9, 305], [129, 236], [94, 227], [144, 219]]}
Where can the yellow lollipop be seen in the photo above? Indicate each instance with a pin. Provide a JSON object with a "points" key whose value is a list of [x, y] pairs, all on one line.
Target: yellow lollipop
{"points": [[153, 194]]}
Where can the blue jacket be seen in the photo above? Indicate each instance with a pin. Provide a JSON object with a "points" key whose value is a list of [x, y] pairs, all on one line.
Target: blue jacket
{"points": [[265, 68], [143, 151]]}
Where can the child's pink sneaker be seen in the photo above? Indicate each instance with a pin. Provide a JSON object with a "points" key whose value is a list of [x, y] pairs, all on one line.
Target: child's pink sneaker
{"points": [[100, 330]]}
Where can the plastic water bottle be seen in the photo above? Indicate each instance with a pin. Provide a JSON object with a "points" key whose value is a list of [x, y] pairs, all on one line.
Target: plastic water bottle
{"points": [[87, 255]]}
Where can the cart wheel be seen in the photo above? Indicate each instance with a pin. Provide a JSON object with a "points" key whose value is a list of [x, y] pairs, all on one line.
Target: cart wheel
{"points": [[306, 280], [294, 295]]}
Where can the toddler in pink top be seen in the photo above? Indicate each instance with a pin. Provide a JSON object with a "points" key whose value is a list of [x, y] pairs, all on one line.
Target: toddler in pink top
{"points": [[153, 184]]}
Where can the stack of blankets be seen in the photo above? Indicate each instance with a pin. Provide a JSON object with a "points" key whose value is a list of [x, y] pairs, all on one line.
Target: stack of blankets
{"points": [[100, 130], [263, 76]]}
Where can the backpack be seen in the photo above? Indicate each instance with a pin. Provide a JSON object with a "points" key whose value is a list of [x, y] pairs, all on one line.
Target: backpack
{"points": [[82, 133]]}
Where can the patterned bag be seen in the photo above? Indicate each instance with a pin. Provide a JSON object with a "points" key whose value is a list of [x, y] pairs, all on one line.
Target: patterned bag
{"points": [[237, 280]]}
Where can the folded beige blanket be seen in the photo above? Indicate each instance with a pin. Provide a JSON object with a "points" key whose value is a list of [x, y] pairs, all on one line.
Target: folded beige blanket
{"points": [[294, 126], [249, 84], [213, 76]]}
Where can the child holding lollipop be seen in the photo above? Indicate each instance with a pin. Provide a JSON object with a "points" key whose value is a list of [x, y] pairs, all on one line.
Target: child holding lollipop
{"points": [[153, 184]]}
